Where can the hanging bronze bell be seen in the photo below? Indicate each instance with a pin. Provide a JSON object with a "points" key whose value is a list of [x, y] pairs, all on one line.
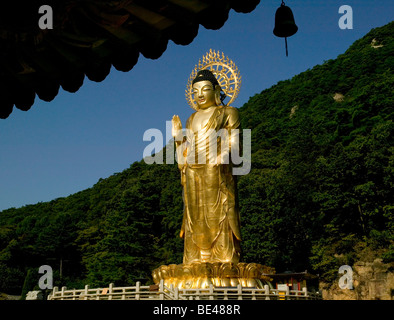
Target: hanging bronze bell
{"points": [[284, 23]]}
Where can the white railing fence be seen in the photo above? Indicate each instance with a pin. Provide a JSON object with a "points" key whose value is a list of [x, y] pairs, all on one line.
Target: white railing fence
{"points": [[162, 292]]}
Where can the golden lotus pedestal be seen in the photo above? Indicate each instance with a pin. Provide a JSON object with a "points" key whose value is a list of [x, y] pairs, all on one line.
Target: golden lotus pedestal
{"points": [[204, 274]]}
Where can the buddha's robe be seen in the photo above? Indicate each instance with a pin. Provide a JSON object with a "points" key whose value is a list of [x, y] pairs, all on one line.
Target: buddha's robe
{"points": [[211, 216]]}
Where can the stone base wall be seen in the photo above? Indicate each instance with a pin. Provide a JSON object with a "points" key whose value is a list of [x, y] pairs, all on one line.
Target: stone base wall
{"points": [[371, 281]]}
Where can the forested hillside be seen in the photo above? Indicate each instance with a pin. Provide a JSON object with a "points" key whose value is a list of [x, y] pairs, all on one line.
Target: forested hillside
{"points": [[320, 191]]}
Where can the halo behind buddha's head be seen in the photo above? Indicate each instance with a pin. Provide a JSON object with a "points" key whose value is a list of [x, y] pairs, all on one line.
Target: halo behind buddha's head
{"points": [[219, 70]]}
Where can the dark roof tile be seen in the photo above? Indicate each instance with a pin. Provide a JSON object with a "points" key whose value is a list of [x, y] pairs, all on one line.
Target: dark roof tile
{"points": [[90, 36]]}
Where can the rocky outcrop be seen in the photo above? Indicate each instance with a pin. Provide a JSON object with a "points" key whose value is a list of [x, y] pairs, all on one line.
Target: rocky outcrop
{"points": [[371, 281], [338, 97], [4, 296]]}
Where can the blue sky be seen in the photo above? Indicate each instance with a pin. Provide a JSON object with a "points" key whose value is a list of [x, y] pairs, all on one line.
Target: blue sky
{"points": [[64, 146]]}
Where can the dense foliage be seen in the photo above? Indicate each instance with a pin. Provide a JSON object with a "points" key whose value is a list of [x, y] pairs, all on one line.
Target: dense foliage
{"points": [[320, 190]]}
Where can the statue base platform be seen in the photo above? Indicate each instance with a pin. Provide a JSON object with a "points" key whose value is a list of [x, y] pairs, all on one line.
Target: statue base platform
{"points": [[218, 274]]}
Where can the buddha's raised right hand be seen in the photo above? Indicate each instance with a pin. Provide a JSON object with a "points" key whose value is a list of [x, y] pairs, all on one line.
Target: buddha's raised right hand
{"points": [[176, 126]]}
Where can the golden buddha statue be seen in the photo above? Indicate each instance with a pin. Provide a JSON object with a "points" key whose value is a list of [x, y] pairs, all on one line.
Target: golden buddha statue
{"points": [[211, 221]]}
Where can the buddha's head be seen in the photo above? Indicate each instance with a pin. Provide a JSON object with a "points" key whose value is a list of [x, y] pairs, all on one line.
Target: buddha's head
{"points": [[206, 89]]}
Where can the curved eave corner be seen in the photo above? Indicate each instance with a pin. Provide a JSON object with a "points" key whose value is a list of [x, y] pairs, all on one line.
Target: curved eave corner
{"points": [[88, 37]]}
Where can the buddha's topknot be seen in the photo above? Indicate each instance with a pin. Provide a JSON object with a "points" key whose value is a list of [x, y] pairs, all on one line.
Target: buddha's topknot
{"points": [[203, 75]]}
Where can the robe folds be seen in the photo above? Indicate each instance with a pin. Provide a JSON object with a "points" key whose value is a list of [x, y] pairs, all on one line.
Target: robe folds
{"points": [[211, 221]]}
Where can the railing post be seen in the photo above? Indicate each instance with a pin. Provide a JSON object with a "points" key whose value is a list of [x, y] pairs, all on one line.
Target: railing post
{"points": [[239, 287], [305, 290], [211, 292], [137, 290], [161, 289], [86, 292], [287, 296], [63, 289], [267, 292], [110, 290], [171, 289]]}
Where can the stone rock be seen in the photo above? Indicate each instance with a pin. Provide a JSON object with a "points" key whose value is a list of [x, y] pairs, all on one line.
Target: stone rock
{"points": [[371, 281], [34, 295], [338, 97], [375, 45]]}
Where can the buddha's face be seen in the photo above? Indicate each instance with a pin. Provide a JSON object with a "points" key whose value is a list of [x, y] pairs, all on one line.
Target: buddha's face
{"points": [[204, 94]]}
